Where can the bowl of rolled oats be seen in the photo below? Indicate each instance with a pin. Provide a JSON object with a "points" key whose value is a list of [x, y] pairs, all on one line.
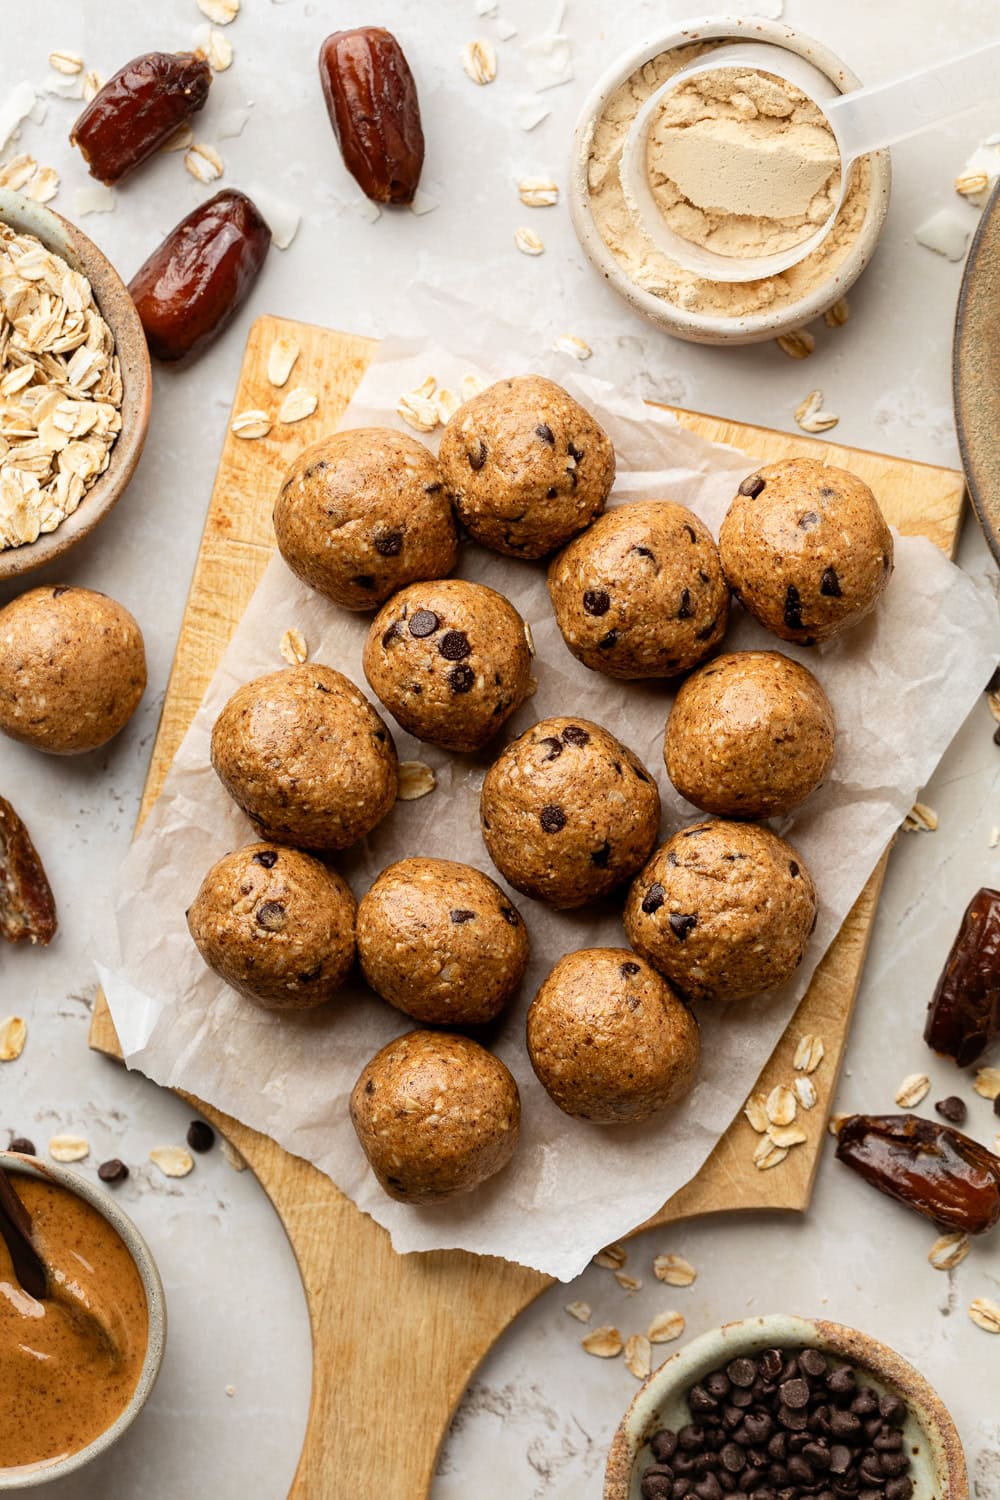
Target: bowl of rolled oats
{"points": [[75, 385]]}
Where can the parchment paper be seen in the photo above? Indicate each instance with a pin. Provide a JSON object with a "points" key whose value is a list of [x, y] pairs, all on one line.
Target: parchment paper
{"points": [[901, 684]]}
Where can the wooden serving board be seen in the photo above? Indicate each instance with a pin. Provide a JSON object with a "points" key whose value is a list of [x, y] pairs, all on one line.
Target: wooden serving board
{"points": [[445, 1309]]}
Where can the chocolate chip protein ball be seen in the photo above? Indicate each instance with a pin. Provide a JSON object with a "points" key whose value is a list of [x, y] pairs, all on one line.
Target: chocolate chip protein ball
{"points": [[436, 1115], [806, 549], [528, 466], [72, 669], [609, 1039], [276, 925], [450, 660], [363, 513], [568, 812], [641, 592], [441, 942], [750, 735], [723, 910], [306, 757]]}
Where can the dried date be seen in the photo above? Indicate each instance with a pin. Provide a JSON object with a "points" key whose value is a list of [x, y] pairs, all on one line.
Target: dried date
{"points": [[371, 99], [939, 1172], [138, 109], [197, 279], [964, 1013], [27, 909]]}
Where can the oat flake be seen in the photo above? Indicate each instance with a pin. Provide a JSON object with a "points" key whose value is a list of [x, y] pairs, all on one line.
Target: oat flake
{"points": [[415, 780], [810, 414], [179, 139], [281, 359], [605, 1342], [949, 1251], [219, 11], [19, 170], [64, 61], [665, 1327], [417, 408], [567, 343], [638, 1355], [836, 1123], [214, 47], [920, 819], [479, 59], [837, 315], [781, 1105], [13, 1035], [674, 1270], [69, 1147], [92, 85], [173, 1161], [787, 1136], [805, 1092], [538, 192], [798, 344], [611, 1258], [914, 1087], [985, 1313], [447, 404], [755, 1110], [293, 648], [629, 1284], [528, 242], [250, 424], [203, 162], [808, 1054], [987, 1084], [43, 186], [298, 404], [579, 1310], [768, 1155]]}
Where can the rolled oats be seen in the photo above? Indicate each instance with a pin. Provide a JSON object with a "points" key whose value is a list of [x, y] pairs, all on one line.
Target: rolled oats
{"points": [[64, 61], [611, 1258], [968, 184], [810, 414], [173, 1161], [948, 1251], [69, 1147], [665, 1327], [92, 84], [19, 170], [538, 192], [836, 1123], [579, 1310], [605, 1342], [985, 1313], [447, 403], [798, 344], [567, 343], [479, 59], [805, 1092], [787, 1136], [674, 1270], [781, 1105], [179, 139], [638, 1355], [13, 1035], [203, 162], [920, 819], [418, 409], [471, 386], [214, 47], [629, 1284], [987, 1083], [755, 1110], [250, 424], [219, 11], [768, 1155], [43, 186], [281, 359], [914, 1087], [808, 1054], [298, 404], [415, 780], [293, 648], [528, 242], [837, 315]]}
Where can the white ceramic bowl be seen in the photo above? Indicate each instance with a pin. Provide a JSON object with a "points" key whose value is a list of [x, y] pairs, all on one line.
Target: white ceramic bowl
{"points": [[156, 1306], [711, 328], [938, 1463]]}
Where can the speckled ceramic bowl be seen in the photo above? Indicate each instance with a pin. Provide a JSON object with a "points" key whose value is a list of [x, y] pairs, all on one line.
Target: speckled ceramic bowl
{"points": [[938, 1463], [156, 1305], [710, 328], [118, 311]]}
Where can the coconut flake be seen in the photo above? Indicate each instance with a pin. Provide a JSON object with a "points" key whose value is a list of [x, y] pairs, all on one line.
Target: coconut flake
{"points": [[548, 60], [232, 123], [283, 218], [529, 113], [423, 203], [505, 31], [944, 233], [15, 109], [93, 198]]}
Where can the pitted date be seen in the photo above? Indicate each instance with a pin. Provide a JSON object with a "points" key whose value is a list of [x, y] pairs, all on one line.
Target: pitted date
{"points": [[27, 910], [964, 1013], [371, 99], [196, 281], [939, 1172], [137, 109]]}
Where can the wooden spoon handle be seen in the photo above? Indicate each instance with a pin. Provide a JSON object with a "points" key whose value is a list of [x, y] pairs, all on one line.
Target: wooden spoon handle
{"points": [[15, 1227]]}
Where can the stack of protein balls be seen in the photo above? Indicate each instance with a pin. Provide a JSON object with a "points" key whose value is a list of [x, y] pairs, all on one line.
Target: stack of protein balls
{"points": [[723, 910]]}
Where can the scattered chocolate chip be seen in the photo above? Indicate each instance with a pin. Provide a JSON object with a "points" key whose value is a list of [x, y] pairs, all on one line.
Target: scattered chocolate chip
{"points": [[553, 746], [685, 612], [310, 974], [423, 623], [60, 589], [607, 641], [742, 1373], [653, 899], [551, 492], [600, 857], [793, 869], [364, 580], [596, 602], [271, 915], [952, 1109], [370, 1086], [793, 608], [706, 630], [572, 478], [794, 1393], [320, 687], [112, 1171], [381, 735], [830, 584], [461, 915], [454, 645], [574, 452], [200, 1135], [432, 489], [389, 543], [691, 533], [575, 734], [266, 857], [644, 552], [392, 634], [22, 1145], [627, 969], [827, 493], [680, 926], [808, 520], [552, 818], [510, 916], [751, 486], [461, 679], [544, 431], [477, 454]]}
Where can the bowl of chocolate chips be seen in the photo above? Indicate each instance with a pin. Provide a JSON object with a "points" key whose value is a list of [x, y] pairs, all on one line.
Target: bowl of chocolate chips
{"points": [[782, 1407]]}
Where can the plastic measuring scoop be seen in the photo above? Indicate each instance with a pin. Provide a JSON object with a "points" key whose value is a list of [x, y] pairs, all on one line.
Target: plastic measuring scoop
{"points": [[862, 121]]}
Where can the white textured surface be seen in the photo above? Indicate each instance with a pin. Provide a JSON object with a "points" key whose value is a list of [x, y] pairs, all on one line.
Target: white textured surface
{"points": [[540, 1411]]}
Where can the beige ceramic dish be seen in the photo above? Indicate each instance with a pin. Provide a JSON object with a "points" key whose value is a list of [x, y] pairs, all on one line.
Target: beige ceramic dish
{"points": [[118, 311], [710, 328], [156, 1305], [938, 1471]]}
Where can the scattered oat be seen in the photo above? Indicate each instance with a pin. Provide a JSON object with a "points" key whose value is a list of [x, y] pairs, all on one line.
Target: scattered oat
{"points": [[674, 1270], [298, 404], [638, 1355], [417, 408], [214, 47], [13, 1035], [837, 315], [805, 1092], [567, 343], [836, 1122], [985, 1313], [579, 1310], [528, 242], [173, 1161], [967, 184], [250, 424], [605, 1342], [944, 233], [787, 1136], [230, 1154], [914, 1087], [19, 170], [179, 139], [665, 1327], [230, 1390], [808, 1054], [781, 1105], [798, 344], [768, 1155], [293, 648], [949, 1251], [447, 403], [987, 1084], [479, 59], [538, 192], [64, 61], [219, 11], [529, 639], [755, 1110], [810, 414], [629, 1284], [203, 162], [471, 386], [611, 1258], [415, 780], [43, 186], [93, 198], [281, 359], [920, 819], [92, 84], [69, 1147]]}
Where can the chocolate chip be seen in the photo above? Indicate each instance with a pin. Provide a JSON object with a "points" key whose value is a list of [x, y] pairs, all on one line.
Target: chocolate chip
{"points": [[389, 543], [574, 734], [544, 431], [60, 589], [685, 612], [454, 645], [793, 609], [808, 520], [461, 679], [952, 1109], [364, 580], [771, 1364], [311, 974], [830, 584], [370, 1086], [680, 926], [551, 492], [22, 1145], [644, 552], [793, 869], [653, 899], [574, 452], [320, 687], [795, 1393], [432, 489], [596, 602], [573, 477], [751, 486], [893, 1410], [392, 634], [813, 1363], [477, 454], [706, 630], [113, 1170], [663, 1445], [510, 916], [600, 857], [552, 818], [271, 915], [626, 969], [553, 746], [266, 857], [423, 623], [607, 641], [461, 915]]}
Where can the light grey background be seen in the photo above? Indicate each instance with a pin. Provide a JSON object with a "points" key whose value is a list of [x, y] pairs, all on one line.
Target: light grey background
{"points": [[538, 1417]]}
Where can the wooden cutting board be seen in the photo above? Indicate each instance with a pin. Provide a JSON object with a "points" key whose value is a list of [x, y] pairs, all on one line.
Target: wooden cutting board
{"points": [[412, 1329]]}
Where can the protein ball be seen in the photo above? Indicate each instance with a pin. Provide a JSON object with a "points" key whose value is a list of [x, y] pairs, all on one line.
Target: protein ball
{"points": [[528, 466], [641, 592], [306, 757], [723, 910], [436, 1115], [441, 942], [609, 1039], [750, 735], [364, 513], [72, 669], [806, 549], [568, 812], [450, 661], [276, 925]]}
